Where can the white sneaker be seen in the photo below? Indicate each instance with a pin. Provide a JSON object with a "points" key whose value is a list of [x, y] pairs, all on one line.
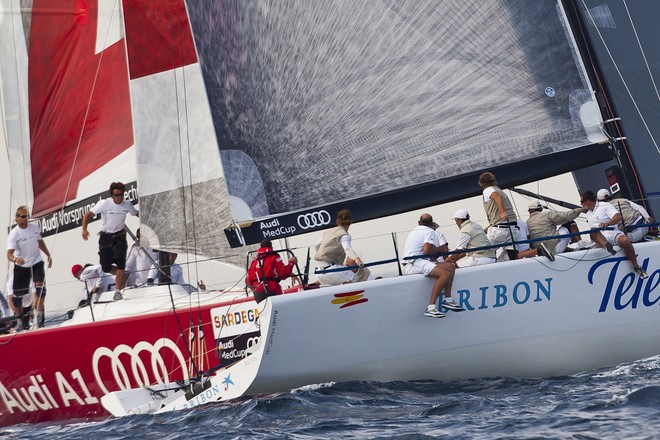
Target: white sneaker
{"points": [[433, 312], [544, 251], [450, 304], [642, 274]]}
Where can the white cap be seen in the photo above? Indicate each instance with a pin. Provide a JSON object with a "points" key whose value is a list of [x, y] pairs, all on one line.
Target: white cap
{"points": [[602, 193], [534, 204], [462, 214]]}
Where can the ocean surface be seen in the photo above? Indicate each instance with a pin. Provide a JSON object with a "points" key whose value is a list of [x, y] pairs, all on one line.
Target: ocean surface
{"points": [[613, 403]]}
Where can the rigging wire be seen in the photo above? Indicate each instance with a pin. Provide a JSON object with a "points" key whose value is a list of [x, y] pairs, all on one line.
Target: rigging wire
{"points": [[85, 118], [182, 35], [641, 48], [623, 81], [608, 105], [184, 151], [187, 197]]}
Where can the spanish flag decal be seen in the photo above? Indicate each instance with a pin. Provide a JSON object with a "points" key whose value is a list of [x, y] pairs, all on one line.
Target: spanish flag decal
{"points": [[349, 299]]}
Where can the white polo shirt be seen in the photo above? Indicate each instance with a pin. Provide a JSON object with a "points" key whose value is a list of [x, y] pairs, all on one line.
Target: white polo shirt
{"points": [[25, 243], [416, 239], [113, 216], [602, 213]]}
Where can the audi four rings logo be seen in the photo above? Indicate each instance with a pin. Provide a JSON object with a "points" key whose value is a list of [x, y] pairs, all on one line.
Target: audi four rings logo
{"points": [[251, 342], [138, 370], [314, 219]]}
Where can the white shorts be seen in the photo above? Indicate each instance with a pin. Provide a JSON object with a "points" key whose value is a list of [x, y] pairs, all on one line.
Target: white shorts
{"points": [[612, 235], [335, 278], [563, 242], [474, 261], [420, 265], [498, 235], [637, 234]]}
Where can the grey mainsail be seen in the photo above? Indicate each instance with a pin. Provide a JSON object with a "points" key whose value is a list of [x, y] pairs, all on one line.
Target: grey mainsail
{"points": [[318, 102]]}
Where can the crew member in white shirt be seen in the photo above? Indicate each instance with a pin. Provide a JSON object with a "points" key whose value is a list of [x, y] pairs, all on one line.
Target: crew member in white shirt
{"points": [[95, 281], [602, 215], [24, 247], [471, 236], [423, 242], [112, 240], [139, 262], [631, 213], [443, 244], [176, 271]]}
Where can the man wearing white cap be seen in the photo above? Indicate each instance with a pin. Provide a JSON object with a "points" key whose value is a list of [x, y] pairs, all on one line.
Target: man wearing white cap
{"points": [[632, 214], [543, 223], [423, 243], [471, 236]]}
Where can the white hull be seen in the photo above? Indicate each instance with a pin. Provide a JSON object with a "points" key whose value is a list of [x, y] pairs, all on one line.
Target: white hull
{"points": [[527, 318], [311, 340]]}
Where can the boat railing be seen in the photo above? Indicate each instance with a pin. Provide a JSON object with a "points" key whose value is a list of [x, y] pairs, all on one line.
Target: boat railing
{"points": [[495, 246]]}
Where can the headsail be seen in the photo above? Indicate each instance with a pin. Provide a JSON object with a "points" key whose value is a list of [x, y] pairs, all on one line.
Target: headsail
{"points": [[183, 195], [320, 102]]}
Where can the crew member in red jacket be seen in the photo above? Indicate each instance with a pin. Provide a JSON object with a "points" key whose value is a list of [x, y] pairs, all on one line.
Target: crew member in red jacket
{"points": [[267, 270]]}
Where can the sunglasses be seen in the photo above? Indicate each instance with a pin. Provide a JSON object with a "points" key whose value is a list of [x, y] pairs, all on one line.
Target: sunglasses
{"points": [[117, 194], [23, 216]]}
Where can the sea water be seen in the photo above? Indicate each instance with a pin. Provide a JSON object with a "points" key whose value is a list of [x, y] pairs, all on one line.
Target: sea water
{"points": [[614, 403]]}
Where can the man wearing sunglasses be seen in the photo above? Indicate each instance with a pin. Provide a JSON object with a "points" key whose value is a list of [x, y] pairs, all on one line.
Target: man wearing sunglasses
{"points": [[112, 238], [603, 215], [24, 247]]}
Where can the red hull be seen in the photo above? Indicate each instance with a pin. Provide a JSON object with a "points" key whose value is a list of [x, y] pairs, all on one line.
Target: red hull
{"points": [[62, 372]]}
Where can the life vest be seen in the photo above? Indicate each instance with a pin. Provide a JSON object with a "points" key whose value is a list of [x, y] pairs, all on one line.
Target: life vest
{"points": [[266, 271]]}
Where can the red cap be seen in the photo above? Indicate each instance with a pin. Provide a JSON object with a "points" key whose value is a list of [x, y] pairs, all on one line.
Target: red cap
{"points": [[75, 269]]}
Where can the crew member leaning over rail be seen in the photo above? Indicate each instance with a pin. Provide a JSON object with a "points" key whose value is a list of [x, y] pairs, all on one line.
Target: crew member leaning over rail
{"points": [[423, 242], [632, 214], [602, 215]]}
